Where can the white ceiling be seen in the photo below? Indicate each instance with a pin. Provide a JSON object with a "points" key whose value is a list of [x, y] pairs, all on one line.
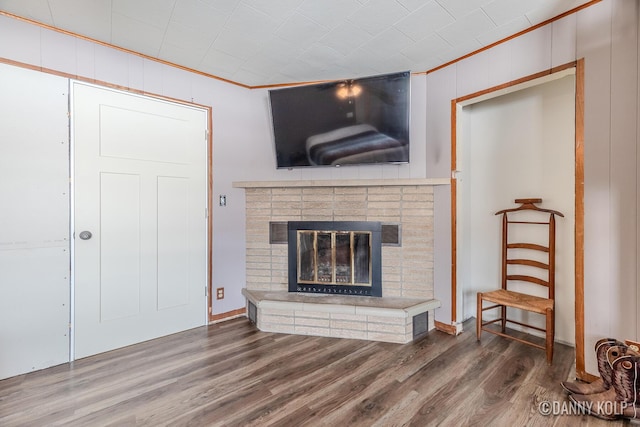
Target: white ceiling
{"points": [[264, 42]]}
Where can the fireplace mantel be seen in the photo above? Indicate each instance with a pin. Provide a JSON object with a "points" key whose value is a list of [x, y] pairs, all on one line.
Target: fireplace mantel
{"points": [[343, 183]]}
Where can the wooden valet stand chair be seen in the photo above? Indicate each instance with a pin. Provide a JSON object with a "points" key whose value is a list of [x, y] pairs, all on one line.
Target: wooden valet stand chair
{"points": [[504, 298]]}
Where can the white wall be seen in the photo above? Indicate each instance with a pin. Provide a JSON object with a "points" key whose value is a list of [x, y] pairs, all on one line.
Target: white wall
{"points": [[34, 221], [608, 38]]}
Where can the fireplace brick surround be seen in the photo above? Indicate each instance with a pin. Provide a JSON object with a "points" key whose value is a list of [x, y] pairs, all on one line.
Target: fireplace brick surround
{"points": [[407, 269]]}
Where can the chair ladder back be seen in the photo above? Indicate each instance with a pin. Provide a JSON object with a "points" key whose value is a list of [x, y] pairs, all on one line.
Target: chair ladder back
{"points": [[549, 266]]}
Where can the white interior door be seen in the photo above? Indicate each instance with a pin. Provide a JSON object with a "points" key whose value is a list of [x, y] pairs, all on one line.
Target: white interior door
{"points": [[140, 189]]}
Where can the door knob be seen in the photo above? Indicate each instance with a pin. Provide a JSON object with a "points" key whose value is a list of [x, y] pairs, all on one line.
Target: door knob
{"points": [[85, 235]]}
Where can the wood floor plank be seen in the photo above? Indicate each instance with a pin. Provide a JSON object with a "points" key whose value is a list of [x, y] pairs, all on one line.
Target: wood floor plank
{"points": [[231, 374]]}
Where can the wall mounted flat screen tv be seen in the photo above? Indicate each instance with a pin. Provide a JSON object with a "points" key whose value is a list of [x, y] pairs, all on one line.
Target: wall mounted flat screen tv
{"points": [[347, 122]]}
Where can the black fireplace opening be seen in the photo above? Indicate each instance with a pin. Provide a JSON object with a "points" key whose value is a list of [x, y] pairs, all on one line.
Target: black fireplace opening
{"points": [[335, 257]]}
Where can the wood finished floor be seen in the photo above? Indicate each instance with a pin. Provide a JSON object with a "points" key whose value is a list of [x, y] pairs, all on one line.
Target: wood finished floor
{"points": [[231, 374]]}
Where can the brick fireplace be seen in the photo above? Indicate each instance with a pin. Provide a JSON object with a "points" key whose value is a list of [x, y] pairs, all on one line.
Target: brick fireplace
{"points": [[406, 270]]}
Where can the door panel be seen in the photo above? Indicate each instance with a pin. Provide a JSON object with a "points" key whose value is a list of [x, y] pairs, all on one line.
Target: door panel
{"points": [[120, 255], [173, 245], [140, 189], [157, 135]]}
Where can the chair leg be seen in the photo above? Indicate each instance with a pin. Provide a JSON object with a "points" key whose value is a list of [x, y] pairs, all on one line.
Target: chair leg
{"points": [[503, 312], [479, 317], [550, 334]]}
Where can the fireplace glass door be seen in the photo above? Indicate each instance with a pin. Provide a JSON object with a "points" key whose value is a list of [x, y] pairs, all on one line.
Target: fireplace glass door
{"points": [[334, 257]]}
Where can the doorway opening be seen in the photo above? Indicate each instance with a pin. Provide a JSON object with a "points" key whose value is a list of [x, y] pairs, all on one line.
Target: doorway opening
{"points": [[522, 139]]}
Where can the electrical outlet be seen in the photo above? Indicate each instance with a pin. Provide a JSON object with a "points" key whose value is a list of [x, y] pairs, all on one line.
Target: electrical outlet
{"points": [[220, 293]]}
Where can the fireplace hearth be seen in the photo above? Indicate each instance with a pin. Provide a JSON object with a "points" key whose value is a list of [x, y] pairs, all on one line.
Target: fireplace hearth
{"points": [[335, 257]]}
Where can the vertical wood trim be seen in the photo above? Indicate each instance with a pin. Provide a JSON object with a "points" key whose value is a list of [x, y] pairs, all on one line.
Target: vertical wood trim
{"points": [[454, 213], [579, 221]]}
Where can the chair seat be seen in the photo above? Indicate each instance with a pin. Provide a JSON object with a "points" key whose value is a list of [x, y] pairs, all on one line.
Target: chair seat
{"points": [[519, 300]]}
